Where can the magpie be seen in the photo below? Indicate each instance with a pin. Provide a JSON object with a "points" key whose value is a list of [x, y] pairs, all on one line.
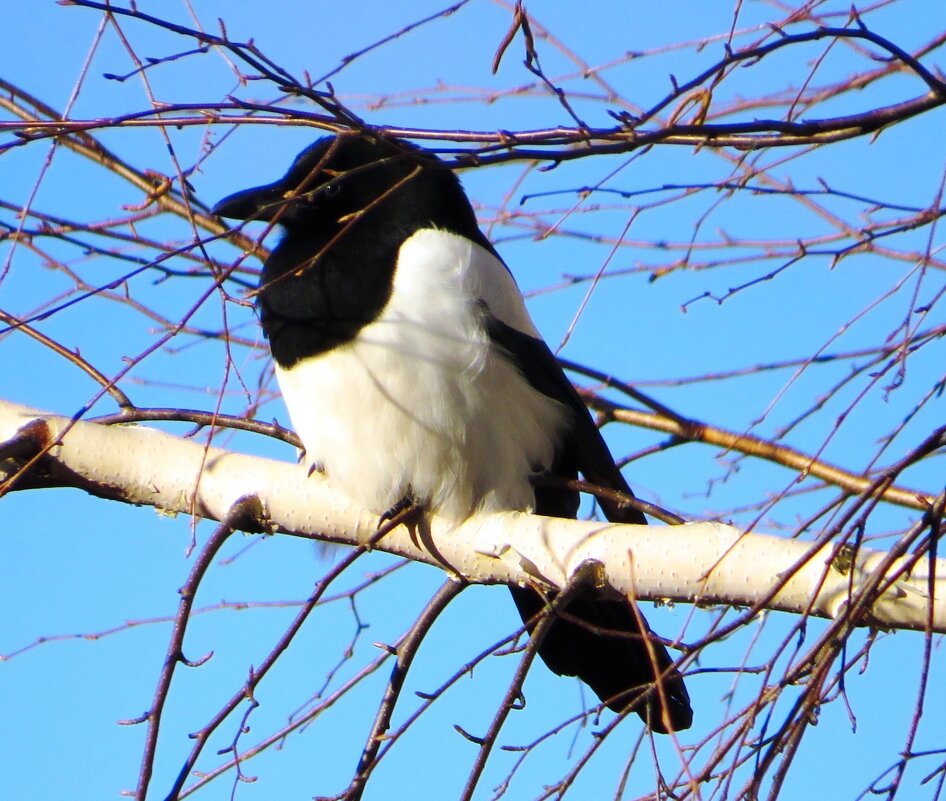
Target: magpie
{"points": [[412, 372]]}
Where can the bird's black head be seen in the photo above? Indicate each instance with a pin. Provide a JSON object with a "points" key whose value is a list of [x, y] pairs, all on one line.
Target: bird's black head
{"points": [[346, 205], [340, 184]]}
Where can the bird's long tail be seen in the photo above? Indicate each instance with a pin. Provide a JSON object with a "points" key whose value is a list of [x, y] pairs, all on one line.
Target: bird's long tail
{"points": [[600, 641]]}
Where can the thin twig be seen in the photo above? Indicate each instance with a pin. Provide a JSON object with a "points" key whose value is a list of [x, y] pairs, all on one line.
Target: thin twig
{"points": [[579, 581], [242, 512], [406, 651]]}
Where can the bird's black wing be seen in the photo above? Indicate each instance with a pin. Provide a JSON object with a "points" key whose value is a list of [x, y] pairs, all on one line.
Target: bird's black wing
{"points": [[585, 449], [625, 667]]}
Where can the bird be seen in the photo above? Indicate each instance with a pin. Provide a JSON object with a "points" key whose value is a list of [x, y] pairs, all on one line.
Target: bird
{"points": [[413, 374]]}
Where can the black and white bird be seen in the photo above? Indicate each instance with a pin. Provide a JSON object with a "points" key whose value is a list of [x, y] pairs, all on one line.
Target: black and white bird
{"points": [[412, 370]]}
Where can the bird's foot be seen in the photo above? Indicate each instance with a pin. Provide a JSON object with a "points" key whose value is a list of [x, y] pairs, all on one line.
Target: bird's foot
{"points": [[401, 511]]}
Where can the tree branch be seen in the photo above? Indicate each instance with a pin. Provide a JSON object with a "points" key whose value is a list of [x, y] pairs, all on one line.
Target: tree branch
{"points": [[703, 563]]}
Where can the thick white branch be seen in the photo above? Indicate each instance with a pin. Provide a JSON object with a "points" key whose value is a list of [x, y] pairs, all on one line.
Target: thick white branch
{"points": [[706, 563]]}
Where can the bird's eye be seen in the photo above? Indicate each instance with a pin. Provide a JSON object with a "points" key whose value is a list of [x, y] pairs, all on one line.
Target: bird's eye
{"points": [[331, 190]]}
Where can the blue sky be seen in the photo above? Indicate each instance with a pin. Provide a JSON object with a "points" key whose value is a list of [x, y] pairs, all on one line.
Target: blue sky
{"points": [[74, 565]]}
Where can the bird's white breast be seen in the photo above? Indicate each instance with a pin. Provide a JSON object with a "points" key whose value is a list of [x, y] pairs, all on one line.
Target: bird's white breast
{"points": [[420, 402]]}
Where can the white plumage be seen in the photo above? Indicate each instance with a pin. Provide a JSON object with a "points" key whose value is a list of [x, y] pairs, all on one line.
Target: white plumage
{"points": [[421, 403]]}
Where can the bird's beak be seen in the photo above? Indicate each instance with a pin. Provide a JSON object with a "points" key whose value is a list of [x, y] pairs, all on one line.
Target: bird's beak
{"points": [[258, 203]]}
